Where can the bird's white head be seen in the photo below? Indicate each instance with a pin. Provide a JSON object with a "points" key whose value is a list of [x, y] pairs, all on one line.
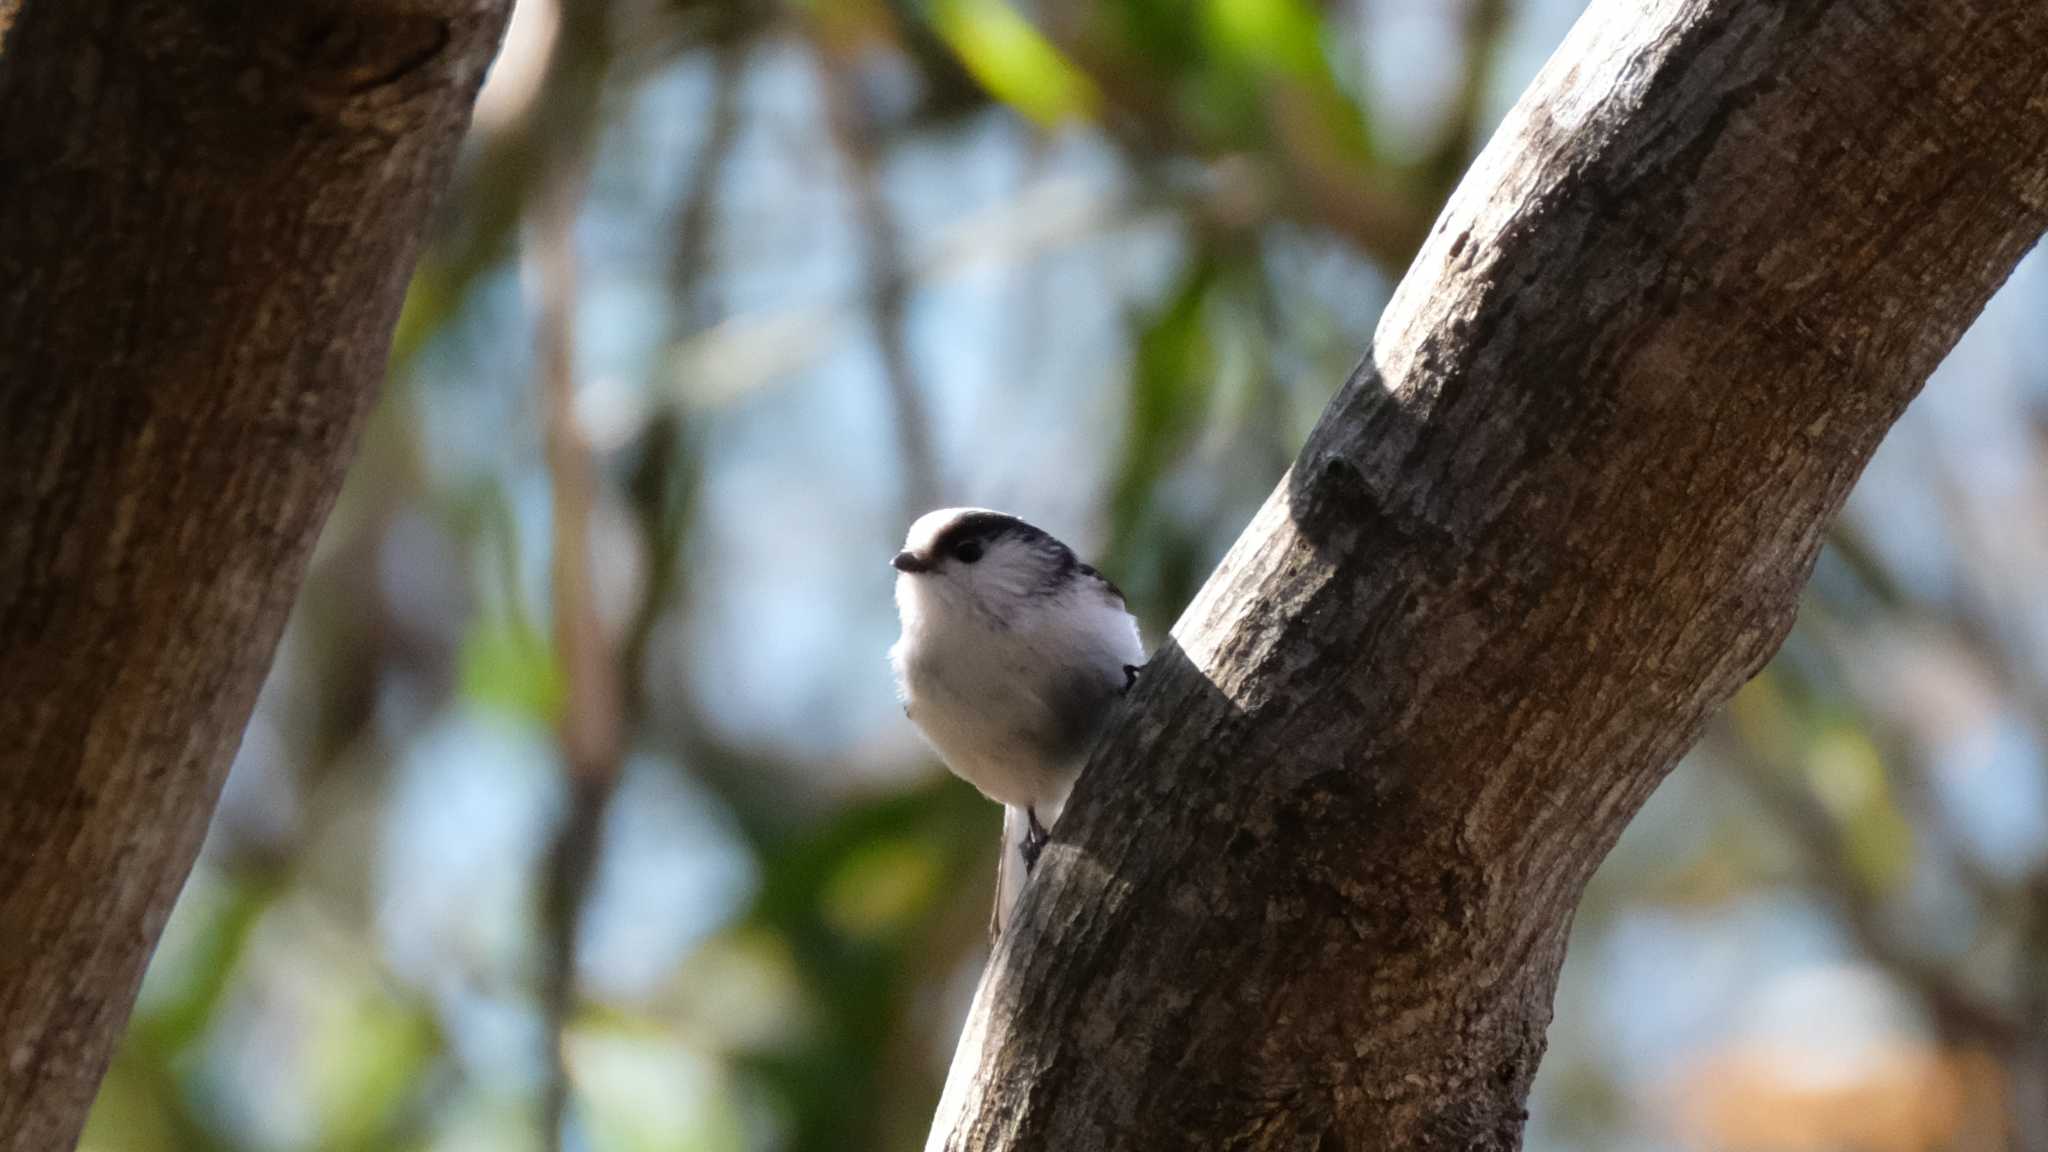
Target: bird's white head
{"points": [[980, 561]]}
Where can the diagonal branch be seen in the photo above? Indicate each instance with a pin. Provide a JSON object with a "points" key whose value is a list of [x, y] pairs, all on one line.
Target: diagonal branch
{"points": [[1314, 890]]}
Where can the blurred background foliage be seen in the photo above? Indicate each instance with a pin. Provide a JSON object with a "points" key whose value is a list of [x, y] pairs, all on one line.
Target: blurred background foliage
{"points": [[578, 813]]}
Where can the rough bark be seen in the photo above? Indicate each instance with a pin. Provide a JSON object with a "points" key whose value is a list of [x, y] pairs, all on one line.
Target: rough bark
{"points": [[208, 211], [1315, 888]]}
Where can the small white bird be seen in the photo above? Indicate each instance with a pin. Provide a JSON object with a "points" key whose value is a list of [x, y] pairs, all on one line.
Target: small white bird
{"points": [[1011, 655]]}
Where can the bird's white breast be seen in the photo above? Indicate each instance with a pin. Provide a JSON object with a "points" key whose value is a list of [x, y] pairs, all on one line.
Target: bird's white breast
{"points": [[1012, 704]]}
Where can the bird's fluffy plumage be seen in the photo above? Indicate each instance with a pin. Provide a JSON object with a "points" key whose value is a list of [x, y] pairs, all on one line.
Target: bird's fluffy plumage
{"points": [[1011, 655]]}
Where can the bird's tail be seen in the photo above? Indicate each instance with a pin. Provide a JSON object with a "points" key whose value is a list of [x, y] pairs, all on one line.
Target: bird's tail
{"points": [[1010, 873]]}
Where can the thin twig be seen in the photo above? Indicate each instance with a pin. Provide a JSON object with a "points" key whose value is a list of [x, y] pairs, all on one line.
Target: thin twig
{"points": [[1485, 23], [1910, 771], [589, 727], [662, 493], [660, 506], [1960, 1013], [2024, 903], [1977, 618], [1977, 621], [854, 134]]}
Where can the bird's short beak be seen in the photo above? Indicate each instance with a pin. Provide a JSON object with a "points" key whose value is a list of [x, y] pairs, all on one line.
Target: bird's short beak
{"points": [[910, 562]]}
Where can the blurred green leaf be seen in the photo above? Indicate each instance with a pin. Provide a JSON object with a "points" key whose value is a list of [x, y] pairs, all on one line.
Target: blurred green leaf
{"points": [[128, 1115], [643, 1089], [744, 989], [1794, 725], [856, 969], [880, 888], [1169, 392], [506, 664], [1239, 76], [1282, 35], [1172, 388], [430, 299], [371, 1060], [1847, 774], [1013, 61], [199, 955], [475, 1120], [1763, 717]]}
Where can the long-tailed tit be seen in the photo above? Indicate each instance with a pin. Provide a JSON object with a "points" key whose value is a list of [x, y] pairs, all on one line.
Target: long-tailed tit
{"points": [[1011, 656]]}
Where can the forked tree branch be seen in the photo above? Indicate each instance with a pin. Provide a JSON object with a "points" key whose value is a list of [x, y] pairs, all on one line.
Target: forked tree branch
{"points": [[1314, 890], [208, 213]]}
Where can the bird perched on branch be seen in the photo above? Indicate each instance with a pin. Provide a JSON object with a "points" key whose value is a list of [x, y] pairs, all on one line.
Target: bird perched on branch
{"points": [[1011, 656]]}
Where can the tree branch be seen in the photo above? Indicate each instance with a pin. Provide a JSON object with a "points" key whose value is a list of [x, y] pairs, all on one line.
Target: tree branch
{"points": [[662, 484], [591, 728], [1961, 1015], [501, 176], [1484, 25], [853, 132], [207, 217], [1313, 891]]}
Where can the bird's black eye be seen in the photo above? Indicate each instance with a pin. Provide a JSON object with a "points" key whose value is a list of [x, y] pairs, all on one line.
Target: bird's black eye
{"points": [[967, 551]]}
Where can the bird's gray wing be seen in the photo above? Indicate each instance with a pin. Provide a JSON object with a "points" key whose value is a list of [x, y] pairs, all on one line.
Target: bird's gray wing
{"points": [[1076, 701]]}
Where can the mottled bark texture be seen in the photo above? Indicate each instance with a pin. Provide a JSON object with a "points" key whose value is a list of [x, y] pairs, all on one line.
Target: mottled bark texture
{"points": [[208, 211], [1314, 890]]}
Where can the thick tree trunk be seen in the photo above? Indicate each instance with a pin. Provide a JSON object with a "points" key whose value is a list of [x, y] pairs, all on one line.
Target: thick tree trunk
{"points": [[208, 212], [1314, 891]]}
